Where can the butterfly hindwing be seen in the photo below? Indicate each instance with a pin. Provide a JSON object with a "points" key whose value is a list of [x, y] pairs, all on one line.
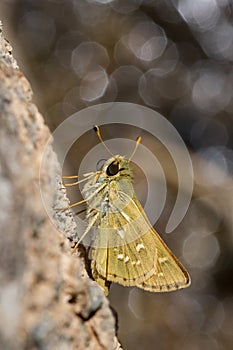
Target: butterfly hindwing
{"points": [[123, 255]]}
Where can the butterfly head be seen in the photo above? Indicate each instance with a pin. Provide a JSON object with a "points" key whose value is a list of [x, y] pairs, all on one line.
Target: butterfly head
{"points": [[117, 166]]}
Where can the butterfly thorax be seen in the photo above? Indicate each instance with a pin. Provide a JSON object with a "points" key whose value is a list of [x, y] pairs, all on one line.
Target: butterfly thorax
{"points": [[104, 191]]}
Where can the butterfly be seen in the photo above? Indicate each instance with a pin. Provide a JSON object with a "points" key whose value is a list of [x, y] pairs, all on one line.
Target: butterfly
{"points": [[126, 249]]}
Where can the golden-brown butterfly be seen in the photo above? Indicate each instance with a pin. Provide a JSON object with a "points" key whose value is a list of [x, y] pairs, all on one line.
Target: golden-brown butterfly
{"points": [[126, 249]]}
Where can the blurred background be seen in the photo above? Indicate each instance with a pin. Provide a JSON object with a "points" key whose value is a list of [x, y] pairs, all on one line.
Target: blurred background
{"points": [[174, 56]]}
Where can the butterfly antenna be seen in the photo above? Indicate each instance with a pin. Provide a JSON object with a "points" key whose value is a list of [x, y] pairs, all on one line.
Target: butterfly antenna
{"points": [[97, 130], [136, 147]]}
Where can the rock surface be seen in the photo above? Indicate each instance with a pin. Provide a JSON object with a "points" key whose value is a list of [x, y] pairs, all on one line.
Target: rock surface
{"points": [[47, 301]]}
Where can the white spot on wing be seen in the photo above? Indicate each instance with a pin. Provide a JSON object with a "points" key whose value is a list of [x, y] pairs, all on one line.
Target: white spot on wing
{"points": [[139, 247], [126, 259], [162, 260], [121, 233], [126, 216], [120, 256]]}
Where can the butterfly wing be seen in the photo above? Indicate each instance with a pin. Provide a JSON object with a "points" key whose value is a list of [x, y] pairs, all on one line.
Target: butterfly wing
{"points": [[100, 279], [127, 261], [125, 246], [135, 254], [169, 275]]}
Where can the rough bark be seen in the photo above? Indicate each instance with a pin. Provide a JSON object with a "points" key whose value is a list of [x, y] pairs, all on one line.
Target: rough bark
{"points": [[47, 301]]}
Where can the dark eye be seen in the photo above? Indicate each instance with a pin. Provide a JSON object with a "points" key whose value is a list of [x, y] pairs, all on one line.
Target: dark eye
{"points": [[112, 169]]}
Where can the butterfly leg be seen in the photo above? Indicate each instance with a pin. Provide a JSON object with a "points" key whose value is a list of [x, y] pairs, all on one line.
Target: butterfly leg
{"points": [[90, 225]]}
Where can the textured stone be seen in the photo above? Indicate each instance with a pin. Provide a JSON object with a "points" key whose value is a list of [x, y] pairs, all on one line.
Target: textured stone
{"points": [[47, 301]]}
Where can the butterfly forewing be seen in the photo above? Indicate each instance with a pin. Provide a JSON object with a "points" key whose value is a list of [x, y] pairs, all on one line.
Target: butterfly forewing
{"points": [[169, 274]]}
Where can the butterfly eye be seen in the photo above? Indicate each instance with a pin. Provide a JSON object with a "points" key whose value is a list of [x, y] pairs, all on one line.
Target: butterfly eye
{"points": [[112, 169]]}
